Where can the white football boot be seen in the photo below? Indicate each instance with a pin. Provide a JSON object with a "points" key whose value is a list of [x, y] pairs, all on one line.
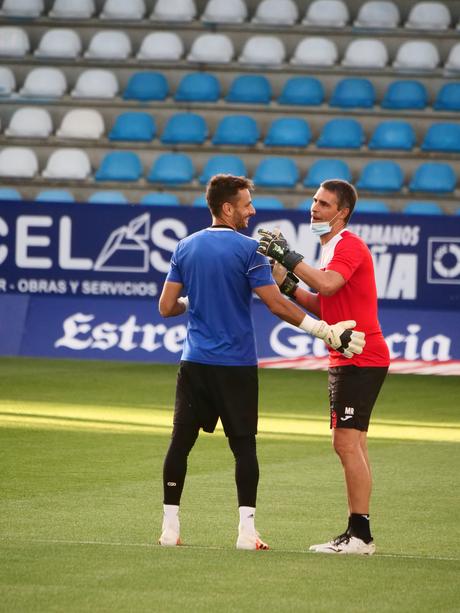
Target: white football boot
{"points": [[170, 533], [345, 543], [250, 540]]}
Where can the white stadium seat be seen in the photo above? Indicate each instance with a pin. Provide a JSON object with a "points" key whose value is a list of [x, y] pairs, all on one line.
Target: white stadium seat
{"points": [[14, 42], [223, 11], [315, 51], [429, 16], [453, 60], [133, 10], [18, 162], [263, 51], [378, 14], [81, 123], [174, 10], [366, 52], [7, 81], [59, 43], [72, 9], [417, 55], [44, 83], [96, 83], [327, 13], [30, 122], [68, 164], [276, 12], [109, 45], [211, 48], [161, 46], [22, 8]]}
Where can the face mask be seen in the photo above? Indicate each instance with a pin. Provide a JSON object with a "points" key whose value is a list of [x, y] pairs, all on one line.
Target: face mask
{"points": [[319, 228]]}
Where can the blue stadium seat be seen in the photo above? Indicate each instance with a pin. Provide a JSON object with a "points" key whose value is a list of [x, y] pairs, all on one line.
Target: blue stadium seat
{"points": [[146, 86], [120, 166], [198, 87], [267, 202], [54, 195], [276, 172], [433, 177], [184, 128], [419, 207], [448, 98], [160, 199], [304, 91], [200, 201], [341, 133], [250, 89], [133, 126], [442, 137], [381, 176], [288, 132], [227, 164], [371, 206], [8, 193], [393, 135], [239, 130], [172, 169], [108, 197], [321, 170], [405, 95], [353, 93]]}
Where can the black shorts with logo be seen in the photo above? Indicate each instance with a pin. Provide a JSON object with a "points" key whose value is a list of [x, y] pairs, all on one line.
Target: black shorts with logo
{"points": [[353, 391], [205, 392]]}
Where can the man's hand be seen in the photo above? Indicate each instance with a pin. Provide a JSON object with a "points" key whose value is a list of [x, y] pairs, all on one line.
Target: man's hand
{"points": [[341, 337], [274, 245]]}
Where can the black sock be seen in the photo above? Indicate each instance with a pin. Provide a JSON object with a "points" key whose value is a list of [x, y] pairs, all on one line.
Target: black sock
{"points": [[360, 527]]}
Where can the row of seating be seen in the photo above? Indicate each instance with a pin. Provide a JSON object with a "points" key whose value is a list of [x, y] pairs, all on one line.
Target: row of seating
{"points": [[259, 50], [234, 130], [329, 13], [178, 169]]}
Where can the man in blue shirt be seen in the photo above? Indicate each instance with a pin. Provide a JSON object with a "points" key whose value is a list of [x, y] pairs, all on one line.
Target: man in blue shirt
{"points": [[218, 269]]}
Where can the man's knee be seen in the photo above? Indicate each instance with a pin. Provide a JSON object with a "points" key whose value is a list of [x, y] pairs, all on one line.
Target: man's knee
{"points": [[243, 446], [183, 437], [346, 442]]}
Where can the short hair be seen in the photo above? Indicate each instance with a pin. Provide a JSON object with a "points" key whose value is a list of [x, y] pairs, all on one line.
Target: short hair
{"points": [[345, 193], [224, 188]]}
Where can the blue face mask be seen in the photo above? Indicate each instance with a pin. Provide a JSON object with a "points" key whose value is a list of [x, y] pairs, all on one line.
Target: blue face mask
{"points": [[319, 228]]}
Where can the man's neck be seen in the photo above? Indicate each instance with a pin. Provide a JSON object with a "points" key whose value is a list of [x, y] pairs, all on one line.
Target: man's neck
{"points": [[330, 235], [218, 221]]}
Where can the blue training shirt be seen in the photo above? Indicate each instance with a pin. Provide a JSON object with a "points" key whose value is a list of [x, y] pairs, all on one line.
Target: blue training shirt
{"points": [[219, 268]]}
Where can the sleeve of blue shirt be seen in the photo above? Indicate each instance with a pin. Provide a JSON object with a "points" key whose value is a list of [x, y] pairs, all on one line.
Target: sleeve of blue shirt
{"points": [[174, 272], [259, 271]]}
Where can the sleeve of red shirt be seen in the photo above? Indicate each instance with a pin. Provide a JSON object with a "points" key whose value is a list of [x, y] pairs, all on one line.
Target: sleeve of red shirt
{"points": [[348, 255]]}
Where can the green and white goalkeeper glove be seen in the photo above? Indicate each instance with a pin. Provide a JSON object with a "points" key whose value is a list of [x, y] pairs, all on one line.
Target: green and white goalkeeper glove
{"points": [[339, 336], [274, 245]]}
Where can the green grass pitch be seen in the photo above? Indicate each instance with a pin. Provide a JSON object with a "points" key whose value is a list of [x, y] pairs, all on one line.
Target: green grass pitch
{"points": [[81, 451]]}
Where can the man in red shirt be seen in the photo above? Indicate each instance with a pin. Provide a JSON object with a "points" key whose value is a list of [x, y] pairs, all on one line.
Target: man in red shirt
{"points": [[346, 289]]}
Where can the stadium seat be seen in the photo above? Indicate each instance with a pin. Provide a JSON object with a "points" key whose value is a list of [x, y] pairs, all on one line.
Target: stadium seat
{"points": [[433, 177], [428, 16], [109, 45], [250, 89], [18, 162], [185, 128], [378, 14], [200, 201], [276, 172], [119, 166], [263, 51], [82, 123], [453, 60], [381, 176], [161, 46], [315, 51], [322, 170], [304, 91], [14, 42], [239, 130], [198, 87], [146, 86], [212, 49], [30, 122], [398, 135], [417, 55], [59, 43], [366, 53], [353, 93], [54, 195], [174, 10], [276, 13], [172, 169], [448, 98], [96, 83], [7, 81], [160, 199], [133, 126], [288, 132], [341, 133], [267, 202], [327, 13], [68, 164], [44, 83], [72, 9], [442, 137], [108, 197], [9, 193], [419, 207], [22, 8], [134, 10], [227, 164], [405, 95], [223, 11], [371, 206]]}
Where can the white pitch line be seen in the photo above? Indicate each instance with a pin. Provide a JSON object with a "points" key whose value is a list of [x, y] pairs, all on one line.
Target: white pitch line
{"points": [[214, 548]]}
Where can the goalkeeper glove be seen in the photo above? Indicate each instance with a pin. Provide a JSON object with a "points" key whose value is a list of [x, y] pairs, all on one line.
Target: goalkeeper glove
{"points": [[289, 285], [274, 245], [339, 336]]}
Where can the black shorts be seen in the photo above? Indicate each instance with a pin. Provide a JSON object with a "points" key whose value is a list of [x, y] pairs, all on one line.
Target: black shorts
{"points": [[205, 392], [353, 391]]}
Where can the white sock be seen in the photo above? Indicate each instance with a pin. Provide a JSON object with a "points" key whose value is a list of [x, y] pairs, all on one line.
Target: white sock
{"points": [[171, 512], [247, 515]]}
